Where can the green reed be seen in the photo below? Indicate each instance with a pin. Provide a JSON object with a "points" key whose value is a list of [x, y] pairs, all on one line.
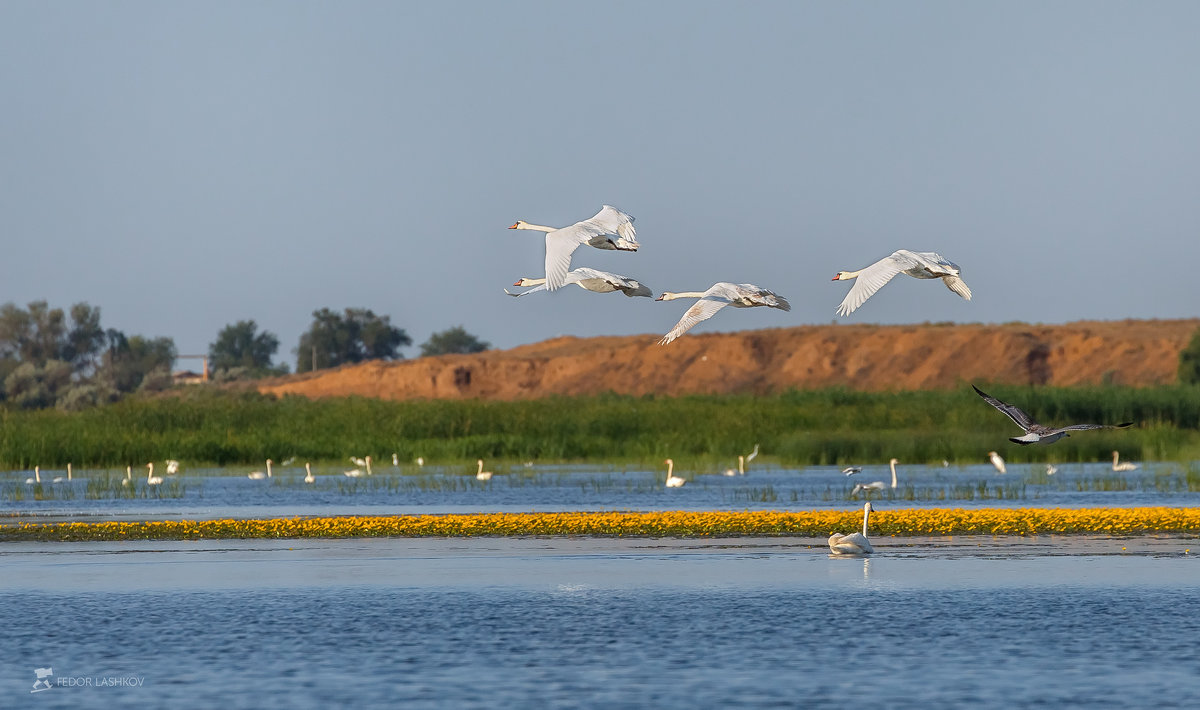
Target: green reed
{"points": [[832, 426]]}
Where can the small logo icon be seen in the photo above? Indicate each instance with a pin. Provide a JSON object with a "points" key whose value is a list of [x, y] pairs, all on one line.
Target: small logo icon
{"points": [[43, 679]]}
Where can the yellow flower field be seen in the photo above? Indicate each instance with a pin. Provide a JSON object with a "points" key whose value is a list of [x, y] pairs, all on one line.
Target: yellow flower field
{"points": [[894, 523]]}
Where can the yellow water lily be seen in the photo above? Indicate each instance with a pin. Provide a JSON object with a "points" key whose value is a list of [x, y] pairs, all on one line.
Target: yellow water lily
{"points": [[820, 523]]}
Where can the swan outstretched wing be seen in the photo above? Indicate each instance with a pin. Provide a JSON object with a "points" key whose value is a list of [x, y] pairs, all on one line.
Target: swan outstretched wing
{"points": [[700, 311], [1085, 427], [873, 278], [956, 284], [562, 243]]}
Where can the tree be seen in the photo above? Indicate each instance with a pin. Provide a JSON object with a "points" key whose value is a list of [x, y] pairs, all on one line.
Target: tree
{"points": [[241, 346], [1189, 361], [358, 335], [455, 341], [131, 362]]}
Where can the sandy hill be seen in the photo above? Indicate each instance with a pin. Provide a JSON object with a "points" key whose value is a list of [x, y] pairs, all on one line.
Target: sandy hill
{"points": [[867, 357]]}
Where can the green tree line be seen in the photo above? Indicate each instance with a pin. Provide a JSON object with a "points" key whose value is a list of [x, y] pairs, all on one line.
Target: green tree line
{"points": [[66, 359]]}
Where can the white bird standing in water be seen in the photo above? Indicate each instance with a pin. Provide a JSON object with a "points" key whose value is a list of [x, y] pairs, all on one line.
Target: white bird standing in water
{"points": [[673, 481], [1122, 466], [481, 474], [37, 475], [309, 478], [610, 228], [918, 264], [151, 479], [718, 296], [259, 475], [128, 476], [997, 461], [854, 543]]}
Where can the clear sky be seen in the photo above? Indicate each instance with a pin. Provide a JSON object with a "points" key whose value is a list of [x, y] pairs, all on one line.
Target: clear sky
{"points": [[185, 165]]}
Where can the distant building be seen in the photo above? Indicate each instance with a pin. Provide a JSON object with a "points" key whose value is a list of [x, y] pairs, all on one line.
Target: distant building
{"points": [[187, 377]]}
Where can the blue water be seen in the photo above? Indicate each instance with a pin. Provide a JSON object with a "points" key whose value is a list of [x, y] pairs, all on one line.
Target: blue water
{"points": [[1057, 622], [204, 493]]}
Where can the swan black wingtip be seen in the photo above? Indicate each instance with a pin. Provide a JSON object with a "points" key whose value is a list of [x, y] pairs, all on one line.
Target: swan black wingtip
{"points": [[978, 391]]}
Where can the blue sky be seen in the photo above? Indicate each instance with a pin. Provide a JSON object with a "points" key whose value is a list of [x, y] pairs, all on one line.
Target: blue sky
{"points": [[188, 165]]}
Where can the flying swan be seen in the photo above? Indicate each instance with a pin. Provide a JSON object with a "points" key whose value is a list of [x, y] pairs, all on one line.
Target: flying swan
{"points": [[918, 264], [854, 543], [1036, 433], [589, 280], [718, 296], [610, 229]]}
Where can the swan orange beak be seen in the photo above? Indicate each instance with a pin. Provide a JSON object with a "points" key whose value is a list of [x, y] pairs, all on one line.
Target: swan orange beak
{"points": [[835, 276], [517, 283], [659, 298], [514, 226]]}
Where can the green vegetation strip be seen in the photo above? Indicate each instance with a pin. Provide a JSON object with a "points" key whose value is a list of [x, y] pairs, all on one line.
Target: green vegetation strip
{"points": [[944, 521], [811, 427]]}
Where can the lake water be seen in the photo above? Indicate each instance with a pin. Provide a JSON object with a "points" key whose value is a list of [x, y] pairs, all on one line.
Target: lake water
{"points": [[527, 622], [208, 493]]}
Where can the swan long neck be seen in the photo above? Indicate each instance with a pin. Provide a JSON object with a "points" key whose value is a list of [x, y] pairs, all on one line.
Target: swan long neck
{"points": [[150, 470], [671, 295], [268, 468], [866, 515], [742, 464], [480, 469], [846, 275], [670, 467], [893, 465], [534, 227], [531, 282], [1116, 455]]}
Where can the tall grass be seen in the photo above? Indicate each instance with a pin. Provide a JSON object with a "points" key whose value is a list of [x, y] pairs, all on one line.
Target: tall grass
{"points": [[832, 426]]}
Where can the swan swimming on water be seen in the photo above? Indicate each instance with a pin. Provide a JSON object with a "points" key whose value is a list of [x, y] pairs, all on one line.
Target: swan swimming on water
{"points": [[918, 264], [259, 475], [673, 481], [151, 479], [309, 478], [718, 296], [877, 485], [1036, 433], [610, 228], [854, 543], [741, 469], [481, 474], [37, 475], [1126, 466]]}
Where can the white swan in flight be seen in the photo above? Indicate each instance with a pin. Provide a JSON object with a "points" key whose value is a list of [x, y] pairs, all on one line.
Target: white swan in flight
{"points": [[854, 543], [309, 478], [997, 461], [673, 481], [259, 475], [151, 479], [918, 264], [589, 280], [1036, 433], [172, 467], [718, 296], [851, 470], [481, 474], [610, 228], [1117, 466]]}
